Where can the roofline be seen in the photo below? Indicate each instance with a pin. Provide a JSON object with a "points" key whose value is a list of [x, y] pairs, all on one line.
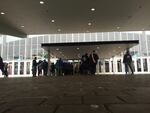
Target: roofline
{"points": [[89, 43]]}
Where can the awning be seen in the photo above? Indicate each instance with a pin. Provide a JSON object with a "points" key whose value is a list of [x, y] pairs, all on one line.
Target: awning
{"points": [[74, 50]]}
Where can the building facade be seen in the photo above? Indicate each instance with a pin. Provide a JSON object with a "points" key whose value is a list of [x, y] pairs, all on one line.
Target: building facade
{"points": [[19, 53]]}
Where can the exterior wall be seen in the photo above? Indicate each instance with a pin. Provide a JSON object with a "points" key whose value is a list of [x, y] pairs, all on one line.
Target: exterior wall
{"points": [[25, 49]]}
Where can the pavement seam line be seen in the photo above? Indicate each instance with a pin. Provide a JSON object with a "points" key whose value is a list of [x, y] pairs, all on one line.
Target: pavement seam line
{"points": [[121, 99], [56, 108], [107, 108], [7, 110]]}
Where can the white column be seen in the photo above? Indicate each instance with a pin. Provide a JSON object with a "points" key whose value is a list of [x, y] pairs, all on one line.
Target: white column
{"points": [[142, 67], [110, 66], [13, 67], [7, 54], [135, 65]]}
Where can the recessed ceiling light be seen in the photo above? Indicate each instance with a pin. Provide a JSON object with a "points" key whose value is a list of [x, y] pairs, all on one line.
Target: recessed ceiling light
{"points": [[59, 30], [87, 31], [57, 49], [92, 9], [78, 48], [118, 27], [22, 26], [89, 24], [41, 2], [52, 21], [2, 13]]}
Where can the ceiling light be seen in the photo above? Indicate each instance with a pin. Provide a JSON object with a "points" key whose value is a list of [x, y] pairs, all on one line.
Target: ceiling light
{"points": [[22, 26], [2, 13], [87, 31], [97, 47], [89, 24], [78, 48], [119, 47], [41, 2], [92, 9], [118, 27], [57, 49], [59, 30], [53, 21]]}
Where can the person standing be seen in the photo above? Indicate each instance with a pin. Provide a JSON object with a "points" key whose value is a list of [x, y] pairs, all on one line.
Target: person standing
{"points": [[3, 67], [59, 67], [45, 67], [34, 67], [127, 60], [93, 62]]}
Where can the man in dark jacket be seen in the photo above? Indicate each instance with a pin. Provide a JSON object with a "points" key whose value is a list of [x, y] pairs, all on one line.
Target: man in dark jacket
{"points": [[127, 60], [3, 67], [93, 62], [34, 67]]}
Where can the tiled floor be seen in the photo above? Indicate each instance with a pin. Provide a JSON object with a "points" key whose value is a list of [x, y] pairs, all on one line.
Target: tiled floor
{"points": [[76, 94]]}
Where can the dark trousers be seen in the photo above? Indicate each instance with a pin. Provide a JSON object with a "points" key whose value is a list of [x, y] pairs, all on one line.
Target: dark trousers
{"points": [[34, 70], [93, 69], [4, 72], [130, 66]]}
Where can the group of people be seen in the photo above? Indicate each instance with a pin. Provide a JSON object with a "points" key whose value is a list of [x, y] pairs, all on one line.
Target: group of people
{"points": [[88, 63], [39, 66], [3, 67]]}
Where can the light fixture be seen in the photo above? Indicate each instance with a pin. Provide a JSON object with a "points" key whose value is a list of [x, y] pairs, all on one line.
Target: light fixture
{"points": [[57, 49], [59, 30], [97, 47], [118, 27], [87, 31], [78, 48], [92, 9], [41, 2], [22, 26], [89, 24], [2, 13], [52, 21]]}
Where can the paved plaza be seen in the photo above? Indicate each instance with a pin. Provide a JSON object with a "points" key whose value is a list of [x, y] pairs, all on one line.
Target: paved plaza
{"points": [[76, 94]]}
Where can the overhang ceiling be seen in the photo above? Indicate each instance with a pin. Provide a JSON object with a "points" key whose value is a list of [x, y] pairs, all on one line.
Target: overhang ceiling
{"points": [[27, 17], [104, 49]]}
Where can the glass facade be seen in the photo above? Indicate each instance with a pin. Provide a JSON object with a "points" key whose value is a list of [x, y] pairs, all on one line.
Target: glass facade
{"points": [[25, 49]]}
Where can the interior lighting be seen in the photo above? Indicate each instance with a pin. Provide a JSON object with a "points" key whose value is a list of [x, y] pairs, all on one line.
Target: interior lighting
{"points": [[97, 47], [89, 24], [52, 21], [22, 26], [2, 13], [57, 49], [41, 2], [92, 9], [59, 30], [118, 27], [78, 48]]}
